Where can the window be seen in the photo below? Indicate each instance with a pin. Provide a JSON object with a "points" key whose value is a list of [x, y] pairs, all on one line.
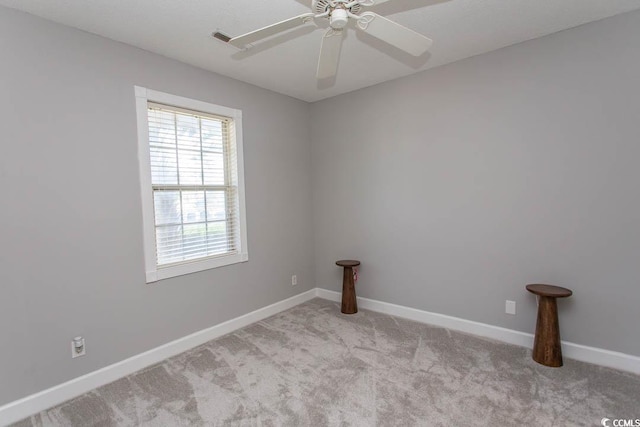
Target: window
{"points": [[190, 155]]}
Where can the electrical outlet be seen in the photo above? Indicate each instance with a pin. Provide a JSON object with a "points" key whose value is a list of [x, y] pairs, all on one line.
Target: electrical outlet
{"points": [[78, 347], [294, 280], [510, 307]]}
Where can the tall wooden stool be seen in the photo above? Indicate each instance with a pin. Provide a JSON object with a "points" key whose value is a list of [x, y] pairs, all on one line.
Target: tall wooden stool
{"points": [[349, 304], [546, 346]]}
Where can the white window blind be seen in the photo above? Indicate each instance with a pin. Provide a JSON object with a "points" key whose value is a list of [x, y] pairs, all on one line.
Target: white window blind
{"points": [[194, 184], [191, 177]]}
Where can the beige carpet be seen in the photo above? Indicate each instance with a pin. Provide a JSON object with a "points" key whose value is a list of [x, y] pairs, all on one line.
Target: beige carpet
{"points": [[313, 366]]}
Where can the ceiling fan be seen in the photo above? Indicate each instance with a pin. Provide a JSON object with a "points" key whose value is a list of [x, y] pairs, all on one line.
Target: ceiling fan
{"points": [[339, 13]]}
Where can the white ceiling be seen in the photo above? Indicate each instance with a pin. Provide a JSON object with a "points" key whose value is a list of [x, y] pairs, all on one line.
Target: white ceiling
{"points": [[287, 63]]}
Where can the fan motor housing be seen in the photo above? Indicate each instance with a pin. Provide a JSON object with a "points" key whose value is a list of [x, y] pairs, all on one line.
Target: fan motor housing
{"points": [[321, 6]]}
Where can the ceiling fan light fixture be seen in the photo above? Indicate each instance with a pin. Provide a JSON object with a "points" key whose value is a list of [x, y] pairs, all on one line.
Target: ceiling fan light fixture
{"points": [[339, 19]]}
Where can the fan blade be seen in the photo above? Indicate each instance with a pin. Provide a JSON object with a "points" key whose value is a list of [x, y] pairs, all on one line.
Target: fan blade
{"points": [[271, 30], [329, 54], [393, 33]]}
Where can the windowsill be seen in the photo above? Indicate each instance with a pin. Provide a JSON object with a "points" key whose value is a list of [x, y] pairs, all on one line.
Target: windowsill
{"points": [[195, 266]]}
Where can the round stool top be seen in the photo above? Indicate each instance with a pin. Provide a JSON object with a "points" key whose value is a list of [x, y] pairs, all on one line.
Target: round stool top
{"points": [[549, 291], [348, 263]]}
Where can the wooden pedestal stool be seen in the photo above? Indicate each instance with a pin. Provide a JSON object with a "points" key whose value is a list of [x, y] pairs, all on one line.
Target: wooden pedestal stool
{"points": [[349, 304], [546, 346]]}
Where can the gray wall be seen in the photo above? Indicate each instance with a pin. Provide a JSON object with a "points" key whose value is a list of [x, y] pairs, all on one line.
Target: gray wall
{"points": [[71, 258], [457, 186]]}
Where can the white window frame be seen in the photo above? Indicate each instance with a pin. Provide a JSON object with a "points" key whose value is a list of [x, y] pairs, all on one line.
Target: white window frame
{"points": [[152, 270]]}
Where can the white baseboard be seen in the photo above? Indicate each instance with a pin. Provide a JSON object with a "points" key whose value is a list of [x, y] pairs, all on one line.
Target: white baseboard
{"points": [[476, 328], [583, 353], [20, 409]]}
